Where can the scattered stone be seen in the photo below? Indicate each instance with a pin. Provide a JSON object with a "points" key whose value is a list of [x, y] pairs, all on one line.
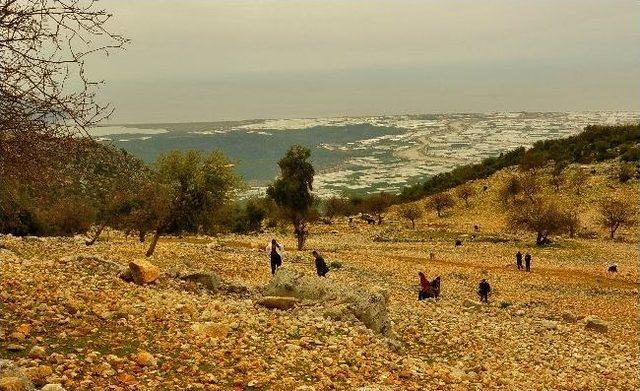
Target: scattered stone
{"points": [[209, 280], [569, 317], [15, 383], [211, 329], [278, 302], [596, 324], [468, 303], [143, 271], [13, 378], [38, 375], [37, 352], [24, 329], [14, 347], [53, 387], [549, 324], [145, 359]]}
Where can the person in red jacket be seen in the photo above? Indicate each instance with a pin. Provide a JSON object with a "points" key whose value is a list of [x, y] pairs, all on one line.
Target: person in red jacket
{"points": [[425, 287]]}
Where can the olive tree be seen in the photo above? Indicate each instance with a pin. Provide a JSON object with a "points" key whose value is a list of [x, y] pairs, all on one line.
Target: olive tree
{"points": [[411, 212], [540, 215], [440, 202], [291, 191], [464, 192], [377, 204], [188, 188], [615, 213]]}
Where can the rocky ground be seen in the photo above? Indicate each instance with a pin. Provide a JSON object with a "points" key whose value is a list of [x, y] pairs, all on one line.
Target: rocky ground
{"points": [[68, 318]]}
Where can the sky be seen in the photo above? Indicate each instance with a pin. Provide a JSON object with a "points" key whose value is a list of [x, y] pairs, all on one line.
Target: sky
{"points": [[208, 60]]}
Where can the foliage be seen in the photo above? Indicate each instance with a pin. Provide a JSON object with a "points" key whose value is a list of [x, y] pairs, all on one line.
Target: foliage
{"points": [[510, 189], [626, 172], [540, 215], [615, 213], [377, 204], [439, 202], [558, 177], [92, 176], [187, 189], [291, 192], [338, 206], [464, 192], [411, 212]]}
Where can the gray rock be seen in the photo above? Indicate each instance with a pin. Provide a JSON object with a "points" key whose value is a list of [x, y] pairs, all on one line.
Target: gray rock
{"points": [[208, 280], [13, 378], [367, 305]]}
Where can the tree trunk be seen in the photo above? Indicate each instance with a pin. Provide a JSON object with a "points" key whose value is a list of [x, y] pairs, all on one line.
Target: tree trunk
{"points": [[540, 239], [413, 224], [613, 230], [301, 234], [154, 241], [97, 234], [141, 235]]}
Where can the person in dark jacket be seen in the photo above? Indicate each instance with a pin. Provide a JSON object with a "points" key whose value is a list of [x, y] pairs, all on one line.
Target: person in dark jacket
{"points": [[527, 262], [321, 266], [519, 260], [483, 290], [274, 249]]}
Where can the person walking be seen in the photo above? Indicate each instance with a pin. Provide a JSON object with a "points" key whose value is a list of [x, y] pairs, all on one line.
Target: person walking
{"points": [[527, 262], [321, 266], [275, 254], [519, 260], [483, 290]]}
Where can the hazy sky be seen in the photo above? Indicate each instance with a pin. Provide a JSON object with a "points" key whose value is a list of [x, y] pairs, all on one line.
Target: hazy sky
{"points": [[214, 60]]}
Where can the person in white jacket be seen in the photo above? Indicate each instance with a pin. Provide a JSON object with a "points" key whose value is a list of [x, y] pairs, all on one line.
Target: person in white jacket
{"points": [[274, 249]]}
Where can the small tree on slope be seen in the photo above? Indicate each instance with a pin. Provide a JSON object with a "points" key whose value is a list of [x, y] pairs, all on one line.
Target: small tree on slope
{"points": [[292, 190]]}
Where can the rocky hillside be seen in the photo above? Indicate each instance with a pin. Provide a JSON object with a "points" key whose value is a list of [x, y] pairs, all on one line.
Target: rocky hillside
{"points": [[70, 317]]}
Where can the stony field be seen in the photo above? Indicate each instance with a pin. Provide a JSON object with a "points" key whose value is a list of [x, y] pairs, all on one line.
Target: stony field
{"points": [[66, 316]]}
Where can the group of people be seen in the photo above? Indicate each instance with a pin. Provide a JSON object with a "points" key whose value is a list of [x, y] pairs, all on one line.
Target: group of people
{"points": [[428, 289], [275, 250], [527, 261], [431, 289]]}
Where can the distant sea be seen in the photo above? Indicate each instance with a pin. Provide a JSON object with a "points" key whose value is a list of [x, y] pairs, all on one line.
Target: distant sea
{"points": [[358, 154]]}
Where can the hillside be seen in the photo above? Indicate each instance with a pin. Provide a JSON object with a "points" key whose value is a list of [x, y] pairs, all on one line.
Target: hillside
{"points": [[595, 143], [532, 335]]}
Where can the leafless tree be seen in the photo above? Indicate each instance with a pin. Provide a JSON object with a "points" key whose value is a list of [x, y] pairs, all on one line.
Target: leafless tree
{"points": [[44, 86]]}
